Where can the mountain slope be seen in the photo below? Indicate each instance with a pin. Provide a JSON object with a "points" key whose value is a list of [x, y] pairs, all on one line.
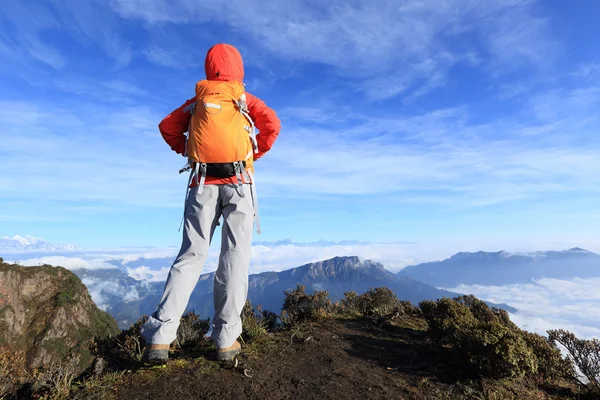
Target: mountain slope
{"points": [[48, 314], [503, 268]]}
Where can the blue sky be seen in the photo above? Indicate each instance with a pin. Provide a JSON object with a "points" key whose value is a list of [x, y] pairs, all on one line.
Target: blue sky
{"points": [[458, 121]]}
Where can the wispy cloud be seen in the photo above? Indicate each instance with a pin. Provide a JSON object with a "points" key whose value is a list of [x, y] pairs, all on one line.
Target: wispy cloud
{"points": [[407, 47], [22, 37], [176, 58], [26, 31], [447, 155], [589, 71], [119, 158]]}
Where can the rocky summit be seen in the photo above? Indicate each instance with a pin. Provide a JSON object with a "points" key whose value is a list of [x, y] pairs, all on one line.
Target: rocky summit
{"points": [[48, 316]]}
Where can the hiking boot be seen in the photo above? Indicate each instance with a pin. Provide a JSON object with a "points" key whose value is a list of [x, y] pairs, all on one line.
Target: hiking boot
{"points": [[228, 353], [157, 353]]}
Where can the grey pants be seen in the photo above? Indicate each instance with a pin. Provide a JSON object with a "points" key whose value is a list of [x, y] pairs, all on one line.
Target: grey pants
{"points": [[202, 213]]}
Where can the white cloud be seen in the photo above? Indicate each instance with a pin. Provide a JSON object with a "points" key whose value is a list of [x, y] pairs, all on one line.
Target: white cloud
{"points": [[71, 263], [548, 304], [145, 254], [146, 274], [102, 290]]}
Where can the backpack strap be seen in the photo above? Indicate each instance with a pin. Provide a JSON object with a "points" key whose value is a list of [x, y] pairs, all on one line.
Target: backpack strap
{"points": [[187, 194], [255, 201], [191, 108], [201, 169], [240, 175], [243, 107]]}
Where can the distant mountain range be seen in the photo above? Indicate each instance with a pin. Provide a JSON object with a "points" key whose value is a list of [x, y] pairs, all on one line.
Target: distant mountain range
{"points": [[127, 298], [31, 243], [320, 243], [502, 268], [338, 275]]}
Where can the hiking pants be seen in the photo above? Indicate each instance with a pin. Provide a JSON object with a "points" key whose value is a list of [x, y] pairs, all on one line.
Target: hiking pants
{"points": [[202, 213]]}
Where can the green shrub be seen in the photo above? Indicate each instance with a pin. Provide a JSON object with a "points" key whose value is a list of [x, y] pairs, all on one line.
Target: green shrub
{"points": [[408, 308], [551, 363], [270, 319], [483, 340], [584, 354], [349, 304], [299, 306], [191, 331], [124, 350], [257, 322], [253, 326], [380, 302]]}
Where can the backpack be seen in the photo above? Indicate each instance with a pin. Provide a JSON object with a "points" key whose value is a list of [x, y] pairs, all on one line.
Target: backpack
{"points": [[221, 141]]}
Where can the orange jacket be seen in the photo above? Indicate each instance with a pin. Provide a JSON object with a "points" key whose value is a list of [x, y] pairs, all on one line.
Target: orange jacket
{"points": [[223, 63]]}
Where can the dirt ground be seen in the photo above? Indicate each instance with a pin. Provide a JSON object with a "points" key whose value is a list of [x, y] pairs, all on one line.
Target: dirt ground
{"points": [[334, 359]]}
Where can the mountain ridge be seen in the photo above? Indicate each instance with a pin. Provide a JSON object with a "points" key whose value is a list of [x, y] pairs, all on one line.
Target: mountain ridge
{"points": [[337, 276], [501, 268], [32, 243]]}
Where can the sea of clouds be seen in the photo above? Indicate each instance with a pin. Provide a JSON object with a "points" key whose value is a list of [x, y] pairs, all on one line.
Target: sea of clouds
{"points": [[542, 304]]}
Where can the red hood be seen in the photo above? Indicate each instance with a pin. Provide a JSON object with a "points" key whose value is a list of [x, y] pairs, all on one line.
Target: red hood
{"points": [[224, 63]]}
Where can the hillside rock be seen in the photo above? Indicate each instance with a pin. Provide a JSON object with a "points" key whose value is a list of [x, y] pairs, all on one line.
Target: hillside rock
{"points": [[47, 313]]}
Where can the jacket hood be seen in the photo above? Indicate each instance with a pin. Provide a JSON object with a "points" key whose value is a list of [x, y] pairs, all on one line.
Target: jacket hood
{"points": [[224, 63]]}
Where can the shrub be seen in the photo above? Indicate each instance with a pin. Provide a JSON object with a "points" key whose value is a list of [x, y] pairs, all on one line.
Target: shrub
{"points": [[408, 308], [124, 350], [349, 304], [13, 373], [55, 379], [270, 319], [191, 331], [484, 341], [584, 354], [253, 325], [551, 364], [257, 322], [378, 302], [299, 306]]}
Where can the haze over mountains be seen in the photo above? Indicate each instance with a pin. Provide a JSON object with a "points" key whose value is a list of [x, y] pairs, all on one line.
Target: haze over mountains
{"points": [[550, 289], [338, 275]]}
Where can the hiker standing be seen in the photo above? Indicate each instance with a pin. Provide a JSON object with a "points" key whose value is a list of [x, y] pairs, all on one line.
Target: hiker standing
{"points": [[221, 148]]}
